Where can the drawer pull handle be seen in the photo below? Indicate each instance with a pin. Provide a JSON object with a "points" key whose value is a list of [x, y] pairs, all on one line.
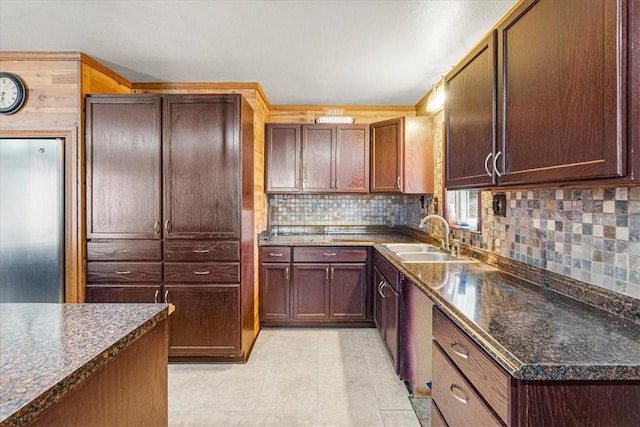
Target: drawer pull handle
{"points": [[329, 254], [464, 399], [463, 351], [274, 254], [201, 251], [122, 251], [123, 272], [201, 273]]}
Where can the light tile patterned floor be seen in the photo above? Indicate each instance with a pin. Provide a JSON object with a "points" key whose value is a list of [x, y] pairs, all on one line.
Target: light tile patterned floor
{"points": [[295, 377]]}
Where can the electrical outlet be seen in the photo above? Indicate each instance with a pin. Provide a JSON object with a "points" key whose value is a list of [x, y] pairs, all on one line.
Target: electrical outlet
{"points": [[499, 205]]}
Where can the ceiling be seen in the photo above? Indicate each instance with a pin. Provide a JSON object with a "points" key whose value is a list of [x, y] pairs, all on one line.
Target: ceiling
{"points": [[304, 52]]}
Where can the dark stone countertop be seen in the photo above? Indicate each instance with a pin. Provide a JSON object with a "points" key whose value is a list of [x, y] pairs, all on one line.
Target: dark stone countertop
{"points": [[533, 332], [48, 349]]}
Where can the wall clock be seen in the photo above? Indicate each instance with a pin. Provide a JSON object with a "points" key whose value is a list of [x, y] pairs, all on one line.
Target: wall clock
{"points": [[12, 93]]}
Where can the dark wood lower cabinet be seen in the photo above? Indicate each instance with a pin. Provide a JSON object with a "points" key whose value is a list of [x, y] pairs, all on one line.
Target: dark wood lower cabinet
{"points": [[275, 292], [206, 321], [124, 293], [387, 306], [311, 292]]}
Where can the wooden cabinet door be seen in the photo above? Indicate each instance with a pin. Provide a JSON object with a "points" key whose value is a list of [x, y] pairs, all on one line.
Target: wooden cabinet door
{"points": [[275, 292], [124, 294], [470, 118], [201, 164], [392, 322], [311, 293], [123, 167], [206, 321], [378, 301], [282, 157], [560, 93], [318, 153], [352, 159], [386, 156], [348, 291]]}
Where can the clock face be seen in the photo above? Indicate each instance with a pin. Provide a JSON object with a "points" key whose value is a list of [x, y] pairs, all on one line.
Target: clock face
{"points": [[12, 93]]}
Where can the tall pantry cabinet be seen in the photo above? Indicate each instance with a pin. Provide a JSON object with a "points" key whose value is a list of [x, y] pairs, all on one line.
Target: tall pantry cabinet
{"points": [[170, 215]]}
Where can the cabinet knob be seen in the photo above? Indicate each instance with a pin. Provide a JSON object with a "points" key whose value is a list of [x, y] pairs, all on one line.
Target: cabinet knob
{"points": [[486, 164], [458, 393]]}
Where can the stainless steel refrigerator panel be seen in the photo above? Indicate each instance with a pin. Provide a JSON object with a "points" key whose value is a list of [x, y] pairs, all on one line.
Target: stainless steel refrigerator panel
{"points": [[31, 220]]}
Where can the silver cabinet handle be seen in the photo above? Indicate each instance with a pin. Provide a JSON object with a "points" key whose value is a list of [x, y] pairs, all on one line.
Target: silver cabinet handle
{"points": [[326, 273], [398, 186], [155, 296], [495, 163], [455, 394], [167, 226], [274, 254], [201, 273], [122, 251], [329, 254], [486, 164], [201, 251], [464, 353], [286, 273], [122, 272], [384, 285], [380, 287], [166, 296], [332, 274], [156, 227]]}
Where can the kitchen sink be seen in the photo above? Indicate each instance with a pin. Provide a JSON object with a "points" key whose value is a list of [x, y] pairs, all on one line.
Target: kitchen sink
{"points": [[411, 247], [430, 257]]}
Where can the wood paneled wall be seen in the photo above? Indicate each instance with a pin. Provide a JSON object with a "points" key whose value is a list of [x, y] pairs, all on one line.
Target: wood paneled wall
{"points": [[57, 83], [362, 114]]}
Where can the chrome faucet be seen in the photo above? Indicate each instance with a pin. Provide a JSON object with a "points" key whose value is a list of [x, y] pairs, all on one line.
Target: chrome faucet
{"points": [[443, 243]]}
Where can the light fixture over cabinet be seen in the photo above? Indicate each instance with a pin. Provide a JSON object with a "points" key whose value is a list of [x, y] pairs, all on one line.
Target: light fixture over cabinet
{"points": [[435, 100]]}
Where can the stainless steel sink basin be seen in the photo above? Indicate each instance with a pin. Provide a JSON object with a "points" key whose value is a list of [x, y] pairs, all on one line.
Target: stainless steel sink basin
{"points": [[410, 247], [430, 257]]}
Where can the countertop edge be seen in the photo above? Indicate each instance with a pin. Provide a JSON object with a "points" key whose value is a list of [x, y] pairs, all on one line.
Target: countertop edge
{"points": [[54, 394]]}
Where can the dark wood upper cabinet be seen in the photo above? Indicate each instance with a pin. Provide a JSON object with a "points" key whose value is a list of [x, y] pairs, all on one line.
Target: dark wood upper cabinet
{"points": [[123, 167], [352, 159], [402, 156], [470, 117], [318, 154], [282, 157], [201, 164], [315, 159], [563, 100], [559, 90]]}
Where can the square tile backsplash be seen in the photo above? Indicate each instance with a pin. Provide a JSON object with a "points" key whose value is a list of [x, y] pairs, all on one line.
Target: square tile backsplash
{"points": [[591, 235], [343, 209]]}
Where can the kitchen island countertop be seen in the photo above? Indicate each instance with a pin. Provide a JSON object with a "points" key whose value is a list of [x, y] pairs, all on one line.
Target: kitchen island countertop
{"points": [[48, 349]]}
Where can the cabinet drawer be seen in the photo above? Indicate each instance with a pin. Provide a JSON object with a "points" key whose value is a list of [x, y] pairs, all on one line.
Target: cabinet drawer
{"points": [[203, 250], [124, 251], [491, 381], [457, 401], [209, 272], [329, 254], [275, 254], [119, 272], [387, 270]]}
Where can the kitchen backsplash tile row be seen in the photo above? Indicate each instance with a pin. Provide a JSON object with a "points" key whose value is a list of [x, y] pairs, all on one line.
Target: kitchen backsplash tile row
{"points": [[343, 209], [591, 235]]}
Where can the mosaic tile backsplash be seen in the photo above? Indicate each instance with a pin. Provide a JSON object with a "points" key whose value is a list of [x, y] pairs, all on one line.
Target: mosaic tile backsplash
{"points": [[342, 209], [591, 235]]}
